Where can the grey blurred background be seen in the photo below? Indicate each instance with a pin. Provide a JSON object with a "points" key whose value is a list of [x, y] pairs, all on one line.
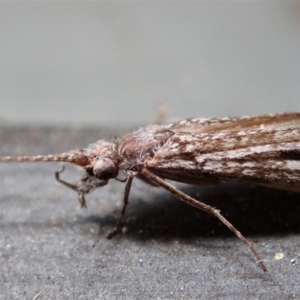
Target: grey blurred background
{"points": [[113, 62]]}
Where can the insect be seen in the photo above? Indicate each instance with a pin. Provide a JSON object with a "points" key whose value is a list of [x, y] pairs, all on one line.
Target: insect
{"points": [[264, 150]]}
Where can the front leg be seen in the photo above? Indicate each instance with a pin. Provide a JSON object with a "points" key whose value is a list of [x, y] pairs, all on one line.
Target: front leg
{"points": [[86, 184]]}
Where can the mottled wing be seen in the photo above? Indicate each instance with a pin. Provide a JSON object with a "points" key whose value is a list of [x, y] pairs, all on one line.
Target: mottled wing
{"points": [[268, 155], [202, 125]]}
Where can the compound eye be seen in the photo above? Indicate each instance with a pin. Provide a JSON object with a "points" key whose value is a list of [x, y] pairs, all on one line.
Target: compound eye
{"points": [[105, 169]]}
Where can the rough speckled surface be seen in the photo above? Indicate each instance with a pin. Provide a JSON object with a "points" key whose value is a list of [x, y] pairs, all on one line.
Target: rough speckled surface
{"points": [[51, 249]]}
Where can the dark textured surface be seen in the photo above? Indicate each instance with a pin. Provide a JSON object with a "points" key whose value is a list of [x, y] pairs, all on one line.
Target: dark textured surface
{"points": [[51, 249]]}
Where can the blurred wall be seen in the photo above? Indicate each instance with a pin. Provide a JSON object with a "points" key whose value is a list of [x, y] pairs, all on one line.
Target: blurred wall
{"points": [[107, 62]]}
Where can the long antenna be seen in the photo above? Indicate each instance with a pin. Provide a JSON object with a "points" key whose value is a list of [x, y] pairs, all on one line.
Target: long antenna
{"points": [[77, 157]]}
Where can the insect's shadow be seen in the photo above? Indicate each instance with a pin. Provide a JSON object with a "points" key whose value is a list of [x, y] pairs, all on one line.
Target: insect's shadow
{"points": [[253, 210]]}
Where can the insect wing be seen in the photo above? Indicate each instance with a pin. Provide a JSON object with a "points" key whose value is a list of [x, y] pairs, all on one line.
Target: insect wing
{"points": [[270, 121], [269, 155]]}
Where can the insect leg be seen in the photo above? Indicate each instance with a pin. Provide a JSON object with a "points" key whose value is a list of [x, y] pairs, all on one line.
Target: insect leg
{"points": [[87, 184], [65, 183], [74, 187], [207, 208], [117, 228]]}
